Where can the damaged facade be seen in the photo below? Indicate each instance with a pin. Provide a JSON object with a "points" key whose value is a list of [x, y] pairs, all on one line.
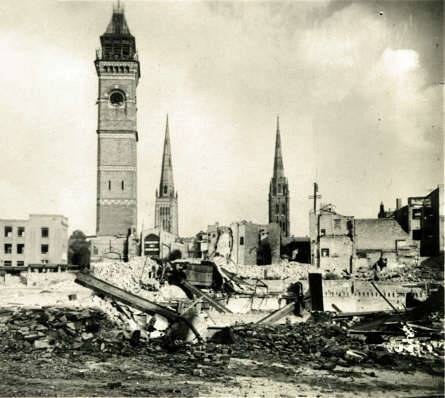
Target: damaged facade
{"points": [[242, 243], [343, 243], [422, 218]]}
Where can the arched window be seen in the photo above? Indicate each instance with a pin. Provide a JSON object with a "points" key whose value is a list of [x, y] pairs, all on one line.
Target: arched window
{"points": [[122, 185], [165, 189], [109, 185]]}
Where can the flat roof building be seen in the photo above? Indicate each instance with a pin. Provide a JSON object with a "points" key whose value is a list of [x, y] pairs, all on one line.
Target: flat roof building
{"points": [[42, 239]]}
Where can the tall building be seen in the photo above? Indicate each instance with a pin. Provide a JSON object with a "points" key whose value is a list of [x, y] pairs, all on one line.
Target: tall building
{"points": [[279, 190], [118, 72], [166, 206], [42, 239]]}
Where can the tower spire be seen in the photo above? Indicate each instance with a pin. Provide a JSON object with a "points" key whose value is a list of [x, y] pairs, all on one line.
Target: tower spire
{"points": [[278, 168], [166, 206], [166, 186]]}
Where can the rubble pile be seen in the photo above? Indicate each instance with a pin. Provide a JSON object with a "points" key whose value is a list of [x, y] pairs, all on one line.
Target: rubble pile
{"points": [[66, 328], [133, 276], [291, 271], [326, 342]]}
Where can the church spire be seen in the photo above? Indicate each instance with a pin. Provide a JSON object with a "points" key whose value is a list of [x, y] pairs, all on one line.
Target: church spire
{"points": [[279, 190], [166, 186], [278, 169]]}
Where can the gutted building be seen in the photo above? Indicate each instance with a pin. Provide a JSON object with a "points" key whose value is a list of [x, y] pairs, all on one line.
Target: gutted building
{"points": [[432, 221]]}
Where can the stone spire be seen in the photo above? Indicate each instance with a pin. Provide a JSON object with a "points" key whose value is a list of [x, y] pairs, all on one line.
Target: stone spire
{"points": [[166, 185], [166, 206], [278, 169], [279, 190]]}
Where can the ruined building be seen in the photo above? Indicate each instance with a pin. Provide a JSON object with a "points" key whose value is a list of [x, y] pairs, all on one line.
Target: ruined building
{"points": [[279, 190], [166, 206], [118, 73]]}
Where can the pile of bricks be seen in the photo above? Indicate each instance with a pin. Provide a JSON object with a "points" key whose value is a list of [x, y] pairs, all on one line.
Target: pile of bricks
{"points": [[59, 329], [206, 357]]}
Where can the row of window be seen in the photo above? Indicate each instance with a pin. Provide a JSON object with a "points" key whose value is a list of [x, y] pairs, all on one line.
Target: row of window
{"points": [[122, 185], [9, 263], [283, 208], [281, 189], [165, 211], [44, 249], [44, 232], [166, 226]]}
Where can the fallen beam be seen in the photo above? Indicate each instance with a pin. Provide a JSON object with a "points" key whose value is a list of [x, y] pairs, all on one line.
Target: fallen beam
{"points": [[219, 307], [364, 313], [278, 314], [123, 296]]}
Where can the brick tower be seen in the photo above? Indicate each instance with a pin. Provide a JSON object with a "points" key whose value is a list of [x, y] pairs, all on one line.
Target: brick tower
{"points": [[118, 72], [279, 190], [166, 206]]}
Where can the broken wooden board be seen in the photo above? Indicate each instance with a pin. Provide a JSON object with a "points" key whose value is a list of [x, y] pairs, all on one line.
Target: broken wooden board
{"points": [[128, 298], [197, 292], [278, 314]]}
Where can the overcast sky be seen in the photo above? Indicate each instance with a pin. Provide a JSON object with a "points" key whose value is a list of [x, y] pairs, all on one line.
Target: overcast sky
{"points": [[358, 87]]}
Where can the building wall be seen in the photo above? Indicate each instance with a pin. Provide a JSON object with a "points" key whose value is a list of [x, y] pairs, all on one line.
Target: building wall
{"points": [[331, 236], [168, 242], [56, 241], [378, 234]]}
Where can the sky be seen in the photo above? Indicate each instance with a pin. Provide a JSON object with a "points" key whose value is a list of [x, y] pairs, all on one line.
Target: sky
{"points": [[358, 87]]}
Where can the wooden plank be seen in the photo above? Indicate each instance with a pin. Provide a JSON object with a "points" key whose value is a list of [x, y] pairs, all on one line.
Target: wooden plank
{"points": [[219, 307], [363, 313], [278, 314], [336, 308], [132, 300]]}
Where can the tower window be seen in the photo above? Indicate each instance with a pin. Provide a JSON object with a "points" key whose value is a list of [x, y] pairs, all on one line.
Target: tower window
{"points": [[277, 208], [44, 249], [122, 185], [45, 232], [241, 240], [109, 185], [165, 189]]}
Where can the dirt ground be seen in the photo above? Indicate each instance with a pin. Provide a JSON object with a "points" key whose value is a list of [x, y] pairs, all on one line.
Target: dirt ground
{"points": [[81, 374]]}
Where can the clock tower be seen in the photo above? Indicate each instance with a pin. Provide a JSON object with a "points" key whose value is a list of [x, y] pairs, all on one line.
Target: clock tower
{"points": [[118, 73]]}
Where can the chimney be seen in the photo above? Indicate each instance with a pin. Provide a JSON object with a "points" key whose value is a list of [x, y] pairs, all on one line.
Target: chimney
{"points": [[398, 203]]}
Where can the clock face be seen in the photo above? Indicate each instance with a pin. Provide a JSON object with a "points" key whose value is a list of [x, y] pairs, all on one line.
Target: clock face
{"points": [[117, 98]]}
